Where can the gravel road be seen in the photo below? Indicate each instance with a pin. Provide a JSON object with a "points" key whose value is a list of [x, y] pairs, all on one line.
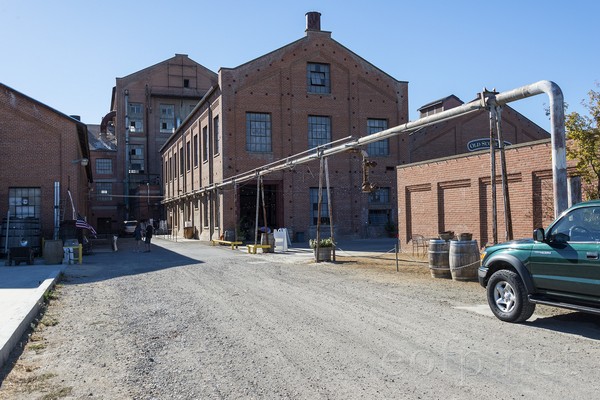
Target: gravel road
{"points": [[190, 321]]}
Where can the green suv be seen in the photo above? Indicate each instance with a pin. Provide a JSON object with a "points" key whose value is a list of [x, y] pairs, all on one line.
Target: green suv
{"points": [[559, 267]]}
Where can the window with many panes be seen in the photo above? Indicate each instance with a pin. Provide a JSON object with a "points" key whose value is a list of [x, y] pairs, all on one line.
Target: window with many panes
{"points": [[136, 157], [167, 118], [216, 135], [258, 132], [319, 130], [103, 191], [195, 150], [136, 117], [318, 79], [205, 143], [104, 166], [24, 202], [379, 206], [314, 207], [381, 147]]}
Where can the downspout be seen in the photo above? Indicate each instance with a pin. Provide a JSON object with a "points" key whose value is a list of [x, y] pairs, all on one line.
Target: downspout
{"points": [[126, 154]]}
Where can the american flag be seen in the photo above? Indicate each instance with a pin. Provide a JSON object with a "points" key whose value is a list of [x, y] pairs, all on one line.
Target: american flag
{"points": [[81, 223]]}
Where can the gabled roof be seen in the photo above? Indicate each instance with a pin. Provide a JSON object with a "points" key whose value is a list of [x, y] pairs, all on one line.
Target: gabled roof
{"points": [[439, 101], [81, 128]]}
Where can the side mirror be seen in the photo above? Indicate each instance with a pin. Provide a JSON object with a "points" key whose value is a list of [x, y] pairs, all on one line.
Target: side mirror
{"points": [[538, 235]]}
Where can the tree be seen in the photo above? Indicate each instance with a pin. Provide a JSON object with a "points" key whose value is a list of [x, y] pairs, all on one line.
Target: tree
{"points": [[583, 134]]}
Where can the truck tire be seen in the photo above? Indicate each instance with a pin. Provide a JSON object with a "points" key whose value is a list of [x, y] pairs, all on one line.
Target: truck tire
{"points": [[507, 297]]}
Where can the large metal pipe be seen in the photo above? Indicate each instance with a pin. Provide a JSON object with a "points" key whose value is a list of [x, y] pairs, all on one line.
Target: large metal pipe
{"points": [[559, 161], [557, 133]]}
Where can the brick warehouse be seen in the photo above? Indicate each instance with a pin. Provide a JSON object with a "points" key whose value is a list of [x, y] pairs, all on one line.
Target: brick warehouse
{"points": [[278, 105], [146, 107], [454, 194], [41, 146], [266, 110]]}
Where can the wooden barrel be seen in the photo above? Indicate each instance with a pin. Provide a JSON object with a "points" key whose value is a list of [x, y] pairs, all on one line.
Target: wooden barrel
{"points": [[439, 259], [464, 260]]}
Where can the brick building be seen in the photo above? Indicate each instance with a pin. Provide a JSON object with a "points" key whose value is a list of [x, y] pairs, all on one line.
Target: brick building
{"points": [[146, 107], [454, 194], [44, 153], [308, 93], [467, 133]]}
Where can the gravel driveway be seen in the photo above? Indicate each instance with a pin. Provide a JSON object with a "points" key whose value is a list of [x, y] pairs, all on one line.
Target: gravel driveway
{"points": [[191, 321]]}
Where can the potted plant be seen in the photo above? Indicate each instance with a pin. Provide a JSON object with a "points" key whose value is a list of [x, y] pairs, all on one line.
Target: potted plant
{"points": [[325, 248]]}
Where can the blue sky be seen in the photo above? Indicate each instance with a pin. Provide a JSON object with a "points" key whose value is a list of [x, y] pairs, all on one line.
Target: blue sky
{"points": [[67, 54]]}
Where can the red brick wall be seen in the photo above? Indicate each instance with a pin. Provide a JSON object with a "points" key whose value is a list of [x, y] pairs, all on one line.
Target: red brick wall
{"points": [[455, 194], [38, 145]]}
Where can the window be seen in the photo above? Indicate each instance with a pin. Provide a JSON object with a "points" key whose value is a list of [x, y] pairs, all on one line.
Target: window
{"points": [[579, 225], [104, 166], [380, 196], [195, 150], [314, 207], [24, 202], [216, 135], [319, 131], [186, 83], [181, 161], [379, 206], [188, 155], [136, 157], [136, 117], [167, 118], [258, 132], [205, 143], [318, 78], [381, 147], [103, 191]]}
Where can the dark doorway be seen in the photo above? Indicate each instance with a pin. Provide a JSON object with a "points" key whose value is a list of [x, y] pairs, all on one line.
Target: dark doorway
{"points": [[104, 226], [247, 199]]}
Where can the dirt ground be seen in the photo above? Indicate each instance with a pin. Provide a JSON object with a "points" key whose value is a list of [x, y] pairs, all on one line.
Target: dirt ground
{"points": [[220, 324]]}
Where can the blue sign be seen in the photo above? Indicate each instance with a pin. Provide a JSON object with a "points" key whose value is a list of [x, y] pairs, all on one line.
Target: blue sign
{"points": [[483, 144]]}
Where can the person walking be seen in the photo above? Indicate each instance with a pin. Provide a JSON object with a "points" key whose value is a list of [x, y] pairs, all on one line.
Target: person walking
{"points": [[137, 235], [149, 232]]}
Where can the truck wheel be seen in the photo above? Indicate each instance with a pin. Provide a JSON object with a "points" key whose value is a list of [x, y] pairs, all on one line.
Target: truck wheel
{"points": [[507, 297]]}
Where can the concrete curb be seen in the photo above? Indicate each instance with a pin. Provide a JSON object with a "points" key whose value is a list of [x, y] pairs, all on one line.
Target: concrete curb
{"points": [[21, 306]]}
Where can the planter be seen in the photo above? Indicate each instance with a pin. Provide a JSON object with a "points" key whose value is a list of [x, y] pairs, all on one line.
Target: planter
{"points": [[324, 254]]}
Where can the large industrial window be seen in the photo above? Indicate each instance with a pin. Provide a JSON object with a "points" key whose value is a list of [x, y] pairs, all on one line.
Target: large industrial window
{"points": [[24, 202], [167, 118], [258, 132], [314, 207], [318, 78], [216, 135], [381, 147], [379, 206], [181, 161], [205, 143], [136, 157], [319, 131], [195, 150], [104, 166], [136, 117], [188, 155], [103, 191]]}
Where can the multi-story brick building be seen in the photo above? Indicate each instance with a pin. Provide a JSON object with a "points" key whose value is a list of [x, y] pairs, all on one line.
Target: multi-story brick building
{"points": [[306, 94], [146, 107], [44, 164], [284, 103]]}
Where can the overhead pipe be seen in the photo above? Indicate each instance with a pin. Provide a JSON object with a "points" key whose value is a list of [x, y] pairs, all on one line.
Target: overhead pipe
{"points": [[559, 161]]}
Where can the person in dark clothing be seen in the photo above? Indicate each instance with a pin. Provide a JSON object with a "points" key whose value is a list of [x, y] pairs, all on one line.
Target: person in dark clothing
{"points": [[149, 232], [137, 235]]}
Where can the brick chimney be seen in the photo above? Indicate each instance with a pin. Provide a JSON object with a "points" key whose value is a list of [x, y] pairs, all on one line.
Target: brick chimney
{"points": [[313, 21]]}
